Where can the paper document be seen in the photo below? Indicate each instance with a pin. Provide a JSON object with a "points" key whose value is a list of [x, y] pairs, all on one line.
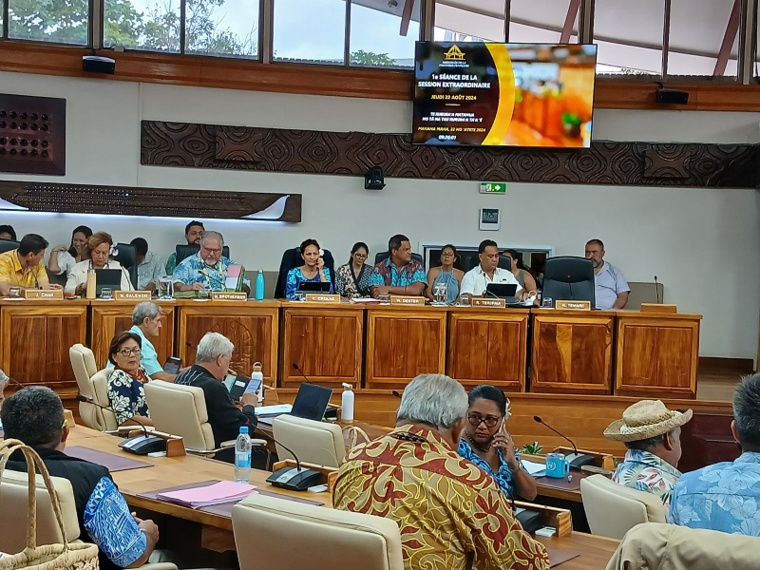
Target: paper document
{"points": [[534, 469], [215, 494]]}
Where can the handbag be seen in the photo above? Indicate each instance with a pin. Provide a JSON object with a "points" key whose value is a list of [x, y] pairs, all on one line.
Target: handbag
{"points": [[66, 556]]}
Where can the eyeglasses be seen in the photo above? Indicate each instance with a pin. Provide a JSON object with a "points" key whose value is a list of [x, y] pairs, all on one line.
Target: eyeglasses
{"points": [[447, 254], [475, 420], [130, 351], [215, 251]]}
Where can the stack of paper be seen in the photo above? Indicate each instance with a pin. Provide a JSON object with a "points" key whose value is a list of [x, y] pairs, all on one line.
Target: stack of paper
{"points": [[215, 494], [534, 469], [276, 410]]}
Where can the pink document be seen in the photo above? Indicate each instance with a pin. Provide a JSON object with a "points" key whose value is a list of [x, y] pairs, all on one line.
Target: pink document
{"points": [[215, 494]]}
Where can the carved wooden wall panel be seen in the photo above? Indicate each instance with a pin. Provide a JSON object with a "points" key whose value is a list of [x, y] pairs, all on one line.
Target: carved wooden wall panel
{"points": [[322, 152]]}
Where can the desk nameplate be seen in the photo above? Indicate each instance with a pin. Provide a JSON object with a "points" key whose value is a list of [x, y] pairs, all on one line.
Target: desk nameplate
{"points": [[489, 303], [132, 295], [573, 305], [229, 296], [322, 298], [404, 300], [42, 294]]}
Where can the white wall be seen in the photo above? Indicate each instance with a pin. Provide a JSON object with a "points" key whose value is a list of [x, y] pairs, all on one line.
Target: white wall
{"points": [[704, 245]]}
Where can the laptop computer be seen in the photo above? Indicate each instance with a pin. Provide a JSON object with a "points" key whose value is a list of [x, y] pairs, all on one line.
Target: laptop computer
{"points": [[314, 286], [107, 279], [311, 403], [506, 291]]}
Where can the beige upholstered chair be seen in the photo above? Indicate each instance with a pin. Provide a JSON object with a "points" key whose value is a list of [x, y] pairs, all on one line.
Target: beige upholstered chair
{"points": [[278, 534], [92, 384], [612, 509], [652, 546], [318, 443]]}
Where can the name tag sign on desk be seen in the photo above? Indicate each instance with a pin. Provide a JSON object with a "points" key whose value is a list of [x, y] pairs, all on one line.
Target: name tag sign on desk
{"points": [[42, 294], [229, 296], [322, 298], [404, 300], [490, 303], [573, 305], [132, 295]]}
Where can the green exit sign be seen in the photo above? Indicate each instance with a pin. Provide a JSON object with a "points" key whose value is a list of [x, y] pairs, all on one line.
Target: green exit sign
{"points": [[493, 187]]}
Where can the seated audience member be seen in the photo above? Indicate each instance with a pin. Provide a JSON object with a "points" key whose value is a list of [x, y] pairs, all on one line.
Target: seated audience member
{"points": [[488, 271], [652, 434], [63, 259], [193, 234], [212, 361], [96, 253], [7, 233], [313, 269], [611, 288], [487, 444], [446, 274], [146, 323], [208, 269], [352, 279], [524, 277], [125, 384], [451, 513], [726, 496], [23, 267], [35, 416], [399, 274], [150, 266]]}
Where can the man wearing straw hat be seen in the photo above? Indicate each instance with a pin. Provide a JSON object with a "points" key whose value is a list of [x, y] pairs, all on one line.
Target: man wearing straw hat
{"points": [[652, 434]]}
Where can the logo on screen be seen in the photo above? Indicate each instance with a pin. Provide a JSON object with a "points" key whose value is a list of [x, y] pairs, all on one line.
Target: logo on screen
{"points": [[454, 54]]}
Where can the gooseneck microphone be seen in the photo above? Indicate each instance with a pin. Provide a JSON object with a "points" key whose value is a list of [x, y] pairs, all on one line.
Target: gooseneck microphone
{"points": [[576, 459], [656, 291], [294, 478], [298, 369], [140, 444], [396, 393]]}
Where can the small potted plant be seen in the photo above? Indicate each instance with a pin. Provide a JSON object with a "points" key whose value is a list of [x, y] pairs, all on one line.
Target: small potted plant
{"points": [[531, 448]]}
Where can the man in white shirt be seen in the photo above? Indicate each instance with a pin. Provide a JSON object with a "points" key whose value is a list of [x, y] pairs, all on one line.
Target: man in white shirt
{"points": [[611, 288], [475, 280]]}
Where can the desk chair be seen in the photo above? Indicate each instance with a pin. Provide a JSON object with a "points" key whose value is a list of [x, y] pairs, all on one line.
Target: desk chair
{"points": [[291, 259], [278, 534], [569, 278], [126, 255], [319, 443], [612, 509], [181, 410], [8, 245], [94, 385]]}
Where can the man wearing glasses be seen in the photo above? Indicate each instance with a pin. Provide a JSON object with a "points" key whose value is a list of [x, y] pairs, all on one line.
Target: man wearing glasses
{"points": [[207, 270]]}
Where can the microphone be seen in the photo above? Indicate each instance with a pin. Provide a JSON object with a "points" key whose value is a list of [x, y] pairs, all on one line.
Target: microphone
{"points": [[294, 478], [576, 459], [140, 444], [656, 291], [298, 368], [396, 393], [5, 378]]}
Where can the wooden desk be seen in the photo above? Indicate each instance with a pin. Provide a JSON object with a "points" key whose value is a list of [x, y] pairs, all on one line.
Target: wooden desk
{"points": [[594, 552], [572, 351], [36, 338], [488, 346], [109, 317], [252, 326], [402, 342], [326, 341], [657, 354]]}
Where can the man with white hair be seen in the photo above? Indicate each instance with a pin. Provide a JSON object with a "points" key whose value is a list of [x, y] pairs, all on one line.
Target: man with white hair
{"points": [[212, 361], [448, 509], [207, 269]]}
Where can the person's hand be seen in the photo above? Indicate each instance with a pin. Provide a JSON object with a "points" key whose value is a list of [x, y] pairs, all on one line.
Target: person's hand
{"points": [[320, 264], [55, 286], [197, 286], [151, 287], [79, 289], [503, 441], [248, 399], [59, 249], [149, 527]]}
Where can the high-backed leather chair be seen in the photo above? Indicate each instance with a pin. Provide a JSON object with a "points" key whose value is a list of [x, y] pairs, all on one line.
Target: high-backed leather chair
{"points": [[277, 534], [569, 277], [319, 443], [291, 258], [126, 255], [94, 385], [612, 509]]}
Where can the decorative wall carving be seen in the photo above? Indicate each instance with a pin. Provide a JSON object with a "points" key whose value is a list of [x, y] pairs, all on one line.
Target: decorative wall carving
{"points": [[137, 201], [32, 135], [322, 152]]}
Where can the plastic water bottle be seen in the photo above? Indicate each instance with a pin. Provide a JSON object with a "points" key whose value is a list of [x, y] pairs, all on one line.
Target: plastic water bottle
{"points": [[347, 404], [243, 456], [260, 286]]}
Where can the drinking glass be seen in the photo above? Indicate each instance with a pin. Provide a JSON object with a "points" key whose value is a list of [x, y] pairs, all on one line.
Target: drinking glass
{"points": [[165, 288], [547, 303], [440, 292]]}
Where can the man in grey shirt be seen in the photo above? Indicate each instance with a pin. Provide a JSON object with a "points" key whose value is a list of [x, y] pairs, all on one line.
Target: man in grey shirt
{"points": [[611, 287]]}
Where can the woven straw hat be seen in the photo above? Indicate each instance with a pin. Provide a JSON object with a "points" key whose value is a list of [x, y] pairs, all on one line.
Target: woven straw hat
{"points": [[645, 419]]}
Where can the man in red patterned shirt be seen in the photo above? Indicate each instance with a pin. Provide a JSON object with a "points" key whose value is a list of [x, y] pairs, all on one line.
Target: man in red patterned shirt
{"points": [[451, 514]]}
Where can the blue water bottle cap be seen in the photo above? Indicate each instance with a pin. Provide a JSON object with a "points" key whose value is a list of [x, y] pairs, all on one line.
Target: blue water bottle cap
{"points": [[244, 429]]}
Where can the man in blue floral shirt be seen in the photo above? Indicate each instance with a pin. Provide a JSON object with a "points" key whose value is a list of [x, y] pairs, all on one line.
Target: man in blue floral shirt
{"points": [[652, 434], [726, 496], [206, 270], [399, 274]]}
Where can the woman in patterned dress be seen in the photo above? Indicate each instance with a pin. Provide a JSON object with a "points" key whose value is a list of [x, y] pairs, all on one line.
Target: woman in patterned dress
{"points": [[125, 384], [352, 279]]}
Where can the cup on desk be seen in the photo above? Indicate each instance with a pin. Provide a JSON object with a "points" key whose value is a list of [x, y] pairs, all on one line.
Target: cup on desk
{"points": [[557, 466], [547, 303], [14, 292]]}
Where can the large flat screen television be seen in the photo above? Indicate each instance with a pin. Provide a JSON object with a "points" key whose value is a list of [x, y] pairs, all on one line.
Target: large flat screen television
{"points": [[492, 94]]}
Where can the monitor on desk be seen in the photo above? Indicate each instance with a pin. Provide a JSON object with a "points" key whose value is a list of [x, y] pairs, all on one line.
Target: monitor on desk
{"points": [[569, 278], [311, 402], [107, 279]]}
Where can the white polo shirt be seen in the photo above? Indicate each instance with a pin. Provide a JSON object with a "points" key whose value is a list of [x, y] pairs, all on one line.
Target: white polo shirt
{"points": [[476, 280]]}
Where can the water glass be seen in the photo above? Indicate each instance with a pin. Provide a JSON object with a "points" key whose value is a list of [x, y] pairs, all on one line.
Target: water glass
{"points": [[299, 296], [440, 293], [547, 303], [105, 293], [165, 288]]}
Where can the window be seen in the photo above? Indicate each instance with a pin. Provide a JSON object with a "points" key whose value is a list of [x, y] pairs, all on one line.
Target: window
{"points": [[544, 21], [222, 27], [142, 24], [310, 31], [59, 22], [629, 36], [469, 20], [383, 32], [698, 30]]}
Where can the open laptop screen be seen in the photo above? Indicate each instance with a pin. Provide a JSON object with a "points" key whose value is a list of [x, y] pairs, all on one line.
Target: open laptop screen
{"points": [[311, 402]]}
